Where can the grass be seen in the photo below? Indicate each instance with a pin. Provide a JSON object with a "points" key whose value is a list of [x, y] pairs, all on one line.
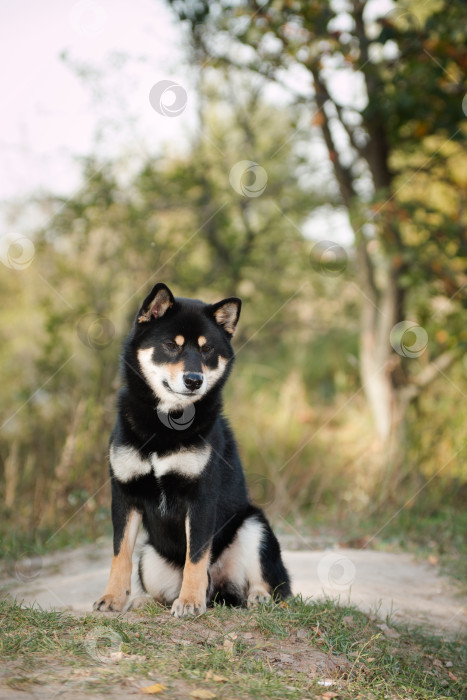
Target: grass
{"points": [[294, 650], [18, 544]]}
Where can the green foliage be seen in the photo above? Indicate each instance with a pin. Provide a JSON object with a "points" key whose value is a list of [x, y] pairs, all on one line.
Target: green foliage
{"points": [[406, 145]]}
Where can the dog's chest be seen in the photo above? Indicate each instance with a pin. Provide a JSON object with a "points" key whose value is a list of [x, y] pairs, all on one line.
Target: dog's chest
{"points": [[127, 464]]}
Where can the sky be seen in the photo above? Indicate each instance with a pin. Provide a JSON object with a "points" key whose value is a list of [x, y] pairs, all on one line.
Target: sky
{"points": [[50, 116]]}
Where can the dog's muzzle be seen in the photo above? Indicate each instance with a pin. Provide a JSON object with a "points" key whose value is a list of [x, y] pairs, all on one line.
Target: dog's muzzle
{"points": [[192, 380]]}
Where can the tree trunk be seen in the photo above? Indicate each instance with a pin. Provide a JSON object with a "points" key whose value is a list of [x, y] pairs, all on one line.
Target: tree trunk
{"points": [[383, 381], [376, 357]]}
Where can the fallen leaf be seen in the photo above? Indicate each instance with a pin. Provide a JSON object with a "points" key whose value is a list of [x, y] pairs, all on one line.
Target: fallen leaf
{"points": [[154, 689], [229, 643], [220, 679], [211, 676], [228, 647], [452, 676], [330, 695], [202, 693]]}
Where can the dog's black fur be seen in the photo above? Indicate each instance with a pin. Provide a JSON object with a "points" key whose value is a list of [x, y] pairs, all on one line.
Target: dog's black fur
{"points": [[154, 422]]}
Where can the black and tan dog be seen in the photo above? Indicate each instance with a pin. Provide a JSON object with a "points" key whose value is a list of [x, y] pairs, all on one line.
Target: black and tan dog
{"points": [[174, 465]]}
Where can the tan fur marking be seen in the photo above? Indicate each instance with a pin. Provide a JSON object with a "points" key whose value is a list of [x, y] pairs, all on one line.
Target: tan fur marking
{"points": [[174, 369], [226, 316], [119, 584], [195, 579], [120, 576], [202, 341], [179, 339], [195, 576]]}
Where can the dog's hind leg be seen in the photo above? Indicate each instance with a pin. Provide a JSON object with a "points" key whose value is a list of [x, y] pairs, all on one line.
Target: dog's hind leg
{"points": [[252, 564], [273, 570]]}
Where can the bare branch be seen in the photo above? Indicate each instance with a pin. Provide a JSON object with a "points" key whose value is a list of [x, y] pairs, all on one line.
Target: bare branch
{"points": [[349, 131], [378, 152], [343, 175], [431, 372]]}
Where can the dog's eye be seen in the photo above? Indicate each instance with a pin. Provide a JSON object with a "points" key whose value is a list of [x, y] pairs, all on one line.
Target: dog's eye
{"points": [[170, 345], [206, 349]]}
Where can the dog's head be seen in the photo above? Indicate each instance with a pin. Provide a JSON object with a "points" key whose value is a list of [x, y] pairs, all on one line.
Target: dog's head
{"points": [[182, 346]]}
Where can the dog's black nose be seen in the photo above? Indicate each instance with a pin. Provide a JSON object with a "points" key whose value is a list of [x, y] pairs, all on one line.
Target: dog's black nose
{"points": [[193, 380]]}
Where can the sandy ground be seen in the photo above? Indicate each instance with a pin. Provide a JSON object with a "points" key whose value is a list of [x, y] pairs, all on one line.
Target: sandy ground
{"points": [[378, 582]]}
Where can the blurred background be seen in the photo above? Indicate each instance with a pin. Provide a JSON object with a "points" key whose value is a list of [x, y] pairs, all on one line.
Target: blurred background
{"points": [[308, 157]]}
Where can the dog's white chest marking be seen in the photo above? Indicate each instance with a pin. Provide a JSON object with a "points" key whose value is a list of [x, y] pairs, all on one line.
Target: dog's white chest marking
{"points": [[127, 463], [185, 462]]}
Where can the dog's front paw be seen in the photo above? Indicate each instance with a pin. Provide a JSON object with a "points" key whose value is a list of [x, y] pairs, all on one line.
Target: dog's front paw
{"points": [[110, 603], [182, 607], [257, 596]]}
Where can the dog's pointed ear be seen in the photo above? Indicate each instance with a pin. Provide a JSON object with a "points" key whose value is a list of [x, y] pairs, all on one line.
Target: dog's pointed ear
{"points": [[226, 313], [156, 303]]}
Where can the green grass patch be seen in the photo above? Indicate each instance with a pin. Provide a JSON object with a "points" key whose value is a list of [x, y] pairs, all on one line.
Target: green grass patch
{"points": [[18, 544], [292, 650]]}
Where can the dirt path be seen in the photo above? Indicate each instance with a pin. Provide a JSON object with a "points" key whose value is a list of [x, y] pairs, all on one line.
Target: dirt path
{"points": [[378, 582]]}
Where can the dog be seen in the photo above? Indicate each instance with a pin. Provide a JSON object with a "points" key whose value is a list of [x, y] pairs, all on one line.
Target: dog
{"points": [[174, 465]]}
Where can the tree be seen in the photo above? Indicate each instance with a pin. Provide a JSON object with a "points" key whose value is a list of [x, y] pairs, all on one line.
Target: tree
{"points": [[397, 158]]}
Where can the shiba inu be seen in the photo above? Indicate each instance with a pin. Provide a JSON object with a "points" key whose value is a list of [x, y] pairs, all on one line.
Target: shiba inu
{"points": [[174, 465]]}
